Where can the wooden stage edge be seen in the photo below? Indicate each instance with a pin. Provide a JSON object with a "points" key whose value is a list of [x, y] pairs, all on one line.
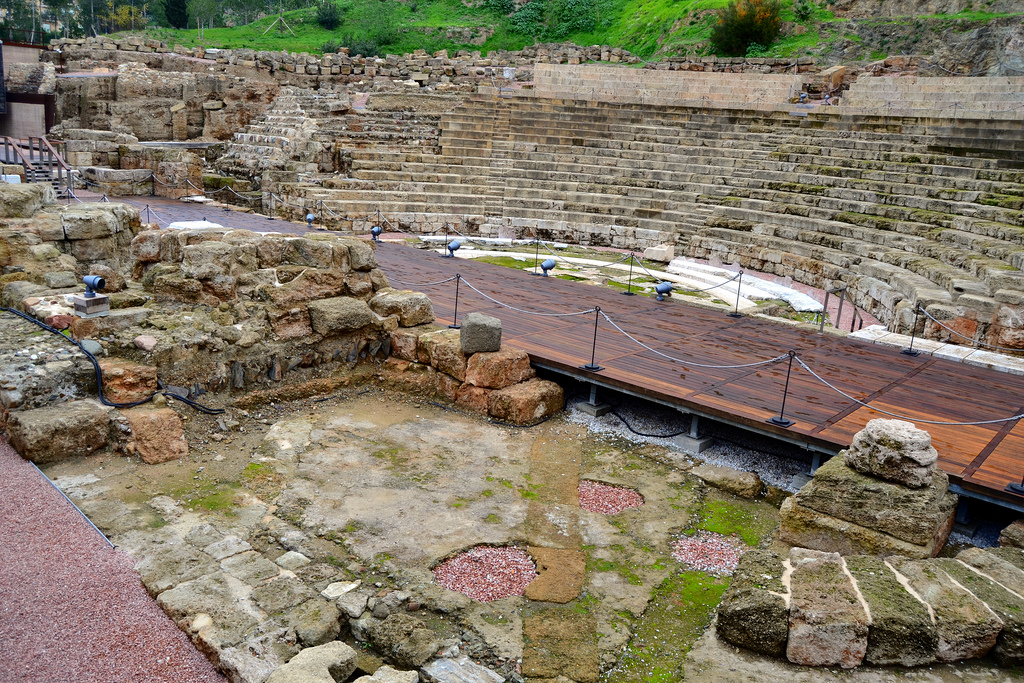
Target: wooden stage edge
{"points": [[715, 374]]}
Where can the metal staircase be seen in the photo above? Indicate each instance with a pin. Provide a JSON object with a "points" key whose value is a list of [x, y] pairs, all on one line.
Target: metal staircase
{"points": [[42, 162]]}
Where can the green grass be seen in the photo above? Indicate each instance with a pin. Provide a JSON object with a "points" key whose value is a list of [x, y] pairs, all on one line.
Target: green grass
{"points": [[728, 515], [679, 611], [222, 500]]}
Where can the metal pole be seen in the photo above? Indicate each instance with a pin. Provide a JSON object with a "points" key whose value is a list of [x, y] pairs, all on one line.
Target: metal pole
{"points": [[147, 214], [910, 351], [739, 284], [536, 255], [780, 419], [455, 317], [629, 285], [592, 366], [824, 314], [839, 314]]}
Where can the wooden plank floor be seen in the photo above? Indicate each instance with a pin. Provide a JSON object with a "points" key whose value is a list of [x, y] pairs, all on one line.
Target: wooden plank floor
{"points": [[982, 459]]}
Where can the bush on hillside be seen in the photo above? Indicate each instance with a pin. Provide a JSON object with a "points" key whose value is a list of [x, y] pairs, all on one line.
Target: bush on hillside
{"points": [[744, 22], [328, 16]]}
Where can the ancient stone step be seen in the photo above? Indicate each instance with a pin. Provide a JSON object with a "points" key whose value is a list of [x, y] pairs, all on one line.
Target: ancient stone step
{"points": [[754, 611]]}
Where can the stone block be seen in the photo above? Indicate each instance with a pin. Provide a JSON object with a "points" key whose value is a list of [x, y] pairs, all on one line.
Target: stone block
{"points": [[213, 596], [327, 663], [498, 369], [311, 284], [157, 433], [901, 631], [753, 612], [117, 320], [405, 341], [125, 382], [527, 402], [472, 398], [60, 279], [404, 639], [444, 352], [893, 450], [276, 596], [1013, 535], [480, 333], [386, 674], [663, 253], [315, 621], [250, 567], [412, 308], [828, 625], [56, 433], [736, 482], [916, 516], [980, 573], [966, 628], [340, 314], [461, 670], [361, 254]]}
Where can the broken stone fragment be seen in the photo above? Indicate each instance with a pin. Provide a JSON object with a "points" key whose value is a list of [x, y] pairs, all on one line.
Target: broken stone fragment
{"points": [[404, 639], [527, 402], [736, 482], [339, 314], [893, 450], [328, 663]]}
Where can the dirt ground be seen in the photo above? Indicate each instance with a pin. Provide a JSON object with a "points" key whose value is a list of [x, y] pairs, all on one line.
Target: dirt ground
{"points": [[379, 487]]}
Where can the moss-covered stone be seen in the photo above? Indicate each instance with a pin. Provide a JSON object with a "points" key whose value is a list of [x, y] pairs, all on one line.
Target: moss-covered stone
{"points": [[827, 622], [1009, 649], [901, 630], [966, 628], [753, 613], [917, 516]]}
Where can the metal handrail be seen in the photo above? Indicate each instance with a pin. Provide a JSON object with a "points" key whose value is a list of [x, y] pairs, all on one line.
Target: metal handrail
{"points": [[41, 153]]}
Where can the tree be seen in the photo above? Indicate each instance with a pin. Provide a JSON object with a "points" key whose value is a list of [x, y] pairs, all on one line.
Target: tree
{"points": [[744, 22], [176, 12], [201, 13], [328, 15]]}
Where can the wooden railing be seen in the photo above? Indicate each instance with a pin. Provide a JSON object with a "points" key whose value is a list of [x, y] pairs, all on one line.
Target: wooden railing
{"points": [[40, 158]]}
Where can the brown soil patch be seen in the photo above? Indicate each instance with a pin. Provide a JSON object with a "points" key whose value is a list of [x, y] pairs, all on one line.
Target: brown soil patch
{"points": [[560, 575], [561, 641]]}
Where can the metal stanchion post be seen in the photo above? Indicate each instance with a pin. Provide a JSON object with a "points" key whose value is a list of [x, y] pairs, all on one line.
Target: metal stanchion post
{"points": [[910, 350], [536, 255], [592, 366], [629, 286], [455, 316], [739, 285], [780, 419]]}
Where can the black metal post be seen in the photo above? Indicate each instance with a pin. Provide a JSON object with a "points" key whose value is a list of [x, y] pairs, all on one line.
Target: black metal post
{"points": [[629, 286], [455, 317], [592, 366], [910, 350], [839, 313], [536, 255], [147, 214], [824, 314], [445, 245], [739, 285], [780, 419]]}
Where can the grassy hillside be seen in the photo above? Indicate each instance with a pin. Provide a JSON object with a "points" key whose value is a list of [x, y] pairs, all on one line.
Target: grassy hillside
{"points": [[648, 28]]}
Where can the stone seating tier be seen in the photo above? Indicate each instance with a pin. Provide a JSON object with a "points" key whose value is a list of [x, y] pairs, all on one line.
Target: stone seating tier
{"points": [[828, 201]]}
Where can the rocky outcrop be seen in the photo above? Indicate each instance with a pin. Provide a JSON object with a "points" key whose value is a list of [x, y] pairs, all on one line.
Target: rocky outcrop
{"points": [[864, 512]]}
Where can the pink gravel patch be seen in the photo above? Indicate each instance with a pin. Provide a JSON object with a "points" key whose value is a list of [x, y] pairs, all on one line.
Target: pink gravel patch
{"points": [[709, 552], [487, 573], [71, 608], [607, 500]]}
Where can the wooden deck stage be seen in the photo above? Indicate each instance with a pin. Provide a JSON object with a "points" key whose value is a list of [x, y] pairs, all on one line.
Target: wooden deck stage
{"points": [[981, 460]]}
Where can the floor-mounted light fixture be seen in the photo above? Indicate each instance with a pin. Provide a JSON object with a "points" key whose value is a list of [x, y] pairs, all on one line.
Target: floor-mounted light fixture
{"points": [[453, 246], [375, 231], [663, 289], [547, 265]]}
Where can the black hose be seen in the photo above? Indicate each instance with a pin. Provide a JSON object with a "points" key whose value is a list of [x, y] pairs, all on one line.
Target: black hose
{"points": [[99, 374], [638, 433]]}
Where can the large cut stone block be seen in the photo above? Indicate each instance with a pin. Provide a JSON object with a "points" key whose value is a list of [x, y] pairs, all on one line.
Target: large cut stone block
{"points": [[893, 450], [526, 402], [211, 595], [340, 314], [158, 434], [499, 369], [917, 516], [412, 308], [66, 431], [966, 628], [327, 663], [443, 352], [901, 630], [754, 612], [827, 622], [1008, 606]]}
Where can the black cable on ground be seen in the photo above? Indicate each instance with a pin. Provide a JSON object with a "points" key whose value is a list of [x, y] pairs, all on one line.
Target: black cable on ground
{"points": [[99, 374], [654, 436]]}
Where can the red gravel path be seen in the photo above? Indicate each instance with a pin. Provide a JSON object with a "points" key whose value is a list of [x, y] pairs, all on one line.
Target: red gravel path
{"points": [[72, 609], [487, 573], [608, 500]]}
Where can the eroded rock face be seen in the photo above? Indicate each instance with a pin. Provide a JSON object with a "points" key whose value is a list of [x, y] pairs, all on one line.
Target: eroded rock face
{"points": [[893, 450], [23, 200]]}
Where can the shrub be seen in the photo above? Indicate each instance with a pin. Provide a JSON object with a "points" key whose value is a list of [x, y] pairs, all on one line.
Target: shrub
{"points": [[743, 22], [804, 10], [328, 16], [330, 47]]}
